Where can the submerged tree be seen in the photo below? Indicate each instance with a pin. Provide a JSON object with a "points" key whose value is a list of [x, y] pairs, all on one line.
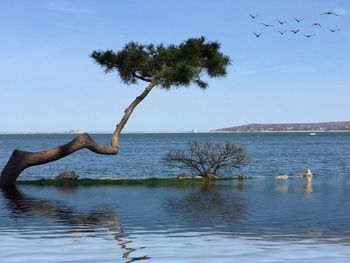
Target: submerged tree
{"points": [[162, 66], [207, 159]]}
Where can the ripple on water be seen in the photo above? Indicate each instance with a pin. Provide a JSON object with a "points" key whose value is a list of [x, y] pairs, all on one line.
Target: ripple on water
{"points": [[253, 222]]}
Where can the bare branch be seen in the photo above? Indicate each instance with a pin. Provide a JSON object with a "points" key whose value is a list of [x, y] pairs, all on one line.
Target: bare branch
{"points": [[207, 159]]}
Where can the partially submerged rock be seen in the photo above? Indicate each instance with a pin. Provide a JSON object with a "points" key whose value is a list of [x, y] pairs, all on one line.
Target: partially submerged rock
{"points": [[67, 175], [306, 175], [184, 175], [110, 178], [187, 176], [284, 176]]}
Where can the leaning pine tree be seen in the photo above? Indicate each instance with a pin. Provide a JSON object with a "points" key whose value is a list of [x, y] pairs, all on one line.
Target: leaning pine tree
{"points": [[162, 66]]}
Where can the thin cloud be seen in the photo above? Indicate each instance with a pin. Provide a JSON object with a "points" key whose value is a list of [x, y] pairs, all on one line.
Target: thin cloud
{"points": [[67, 7], [340, 11]]}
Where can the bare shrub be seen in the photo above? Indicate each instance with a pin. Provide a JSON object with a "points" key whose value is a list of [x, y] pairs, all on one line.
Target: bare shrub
{"points": [[207, 159]]}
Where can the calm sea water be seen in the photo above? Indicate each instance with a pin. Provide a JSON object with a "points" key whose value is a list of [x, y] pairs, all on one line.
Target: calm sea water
{"points": [[258, 220], [327, 154]]}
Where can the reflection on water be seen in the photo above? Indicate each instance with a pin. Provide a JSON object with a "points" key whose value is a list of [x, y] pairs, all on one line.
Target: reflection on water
{"points": [[208, 207], [305, 188], [196, 223], [21, 205]]}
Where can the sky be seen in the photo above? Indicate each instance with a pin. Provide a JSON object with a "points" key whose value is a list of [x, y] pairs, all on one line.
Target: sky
{"points": [[49, 83]]}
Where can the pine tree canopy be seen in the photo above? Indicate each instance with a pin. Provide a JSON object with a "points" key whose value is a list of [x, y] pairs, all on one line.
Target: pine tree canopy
{"points": [[170, 66]]}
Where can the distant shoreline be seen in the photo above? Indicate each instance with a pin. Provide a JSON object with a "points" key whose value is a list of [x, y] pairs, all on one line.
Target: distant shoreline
{"points": [[335, 126], [305, 131]]}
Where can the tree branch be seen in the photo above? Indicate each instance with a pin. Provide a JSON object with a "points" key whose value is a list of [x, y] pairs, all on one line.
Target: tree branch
{"points": [[207, 158], [142, 78], [21, 160], [127, 113]]}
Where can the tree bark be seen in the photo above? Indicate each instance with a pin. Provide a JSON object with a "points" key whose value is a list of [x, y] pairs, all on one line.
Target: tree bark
{"points": [[21, 160]]}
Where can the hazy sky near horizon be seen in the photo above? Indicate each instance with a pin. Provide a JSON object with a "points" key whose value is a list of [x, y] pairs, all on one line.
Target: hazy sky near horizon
{"points": [[48, 82]]}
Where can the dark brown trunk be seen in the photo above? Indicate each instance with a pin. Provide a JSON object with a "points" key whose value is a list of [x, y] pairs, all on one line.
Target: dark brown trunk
{"points": [[20, 160]]}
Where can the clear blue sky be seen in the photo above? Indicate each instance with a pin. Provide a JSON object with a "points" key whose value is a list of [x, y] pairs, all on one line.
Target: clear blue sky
{"points": [[49, 83]]}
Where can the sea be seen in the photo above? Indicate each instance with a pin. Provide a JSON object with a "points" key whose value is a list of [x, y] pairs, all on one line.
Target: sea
{"points": [[261, 219]]}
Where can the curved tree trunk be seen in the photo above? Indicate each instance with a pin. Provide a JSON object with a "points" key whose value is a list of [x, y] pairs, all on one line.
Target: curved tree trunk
{"points": [[20, 160]]}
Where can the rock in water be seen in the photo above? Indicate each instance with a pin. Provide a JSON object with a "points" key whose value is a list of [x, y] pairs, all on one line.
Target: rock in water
{"points": [[184, 175], [67, 175], [308, 175], [305, 175], [282, 176]]}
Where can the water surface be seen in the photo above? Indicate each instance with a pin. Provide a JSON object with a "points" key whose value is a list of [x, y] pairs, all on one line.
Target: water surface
{"points": [[258, 220], [251, 221], [327, 154]]}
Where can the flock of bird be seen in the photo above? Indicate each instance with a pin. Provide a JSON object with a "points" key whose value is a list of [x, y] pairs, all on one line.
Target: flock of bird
{"points": [[297, 21]]}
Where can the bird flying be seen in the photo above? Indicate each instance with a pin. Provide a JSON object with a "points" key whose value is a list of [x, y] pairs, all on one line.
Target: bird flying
{"points": [[267, 25], [308, 36], [333, 30], [257, 35], [294, 31], [281, 22], [298, 20], [281, 32], [329, 13], [253, 16], [316, 24]]}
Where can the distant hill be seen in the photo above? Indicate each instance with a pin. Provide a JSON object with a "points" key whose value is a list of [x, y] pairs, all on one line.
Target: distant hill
{"points": [[289, 127]]}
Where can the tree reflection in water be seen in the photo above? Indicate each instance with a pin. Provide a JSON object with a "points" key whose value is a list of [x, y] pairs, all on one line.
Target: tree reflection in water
{"points": [[22, 206], [208, 207]]}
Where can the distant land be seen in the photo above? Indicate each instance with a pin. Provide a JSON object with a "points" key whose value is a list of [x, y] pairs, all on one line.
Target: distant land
{"points": [[290, 127], [286, 127]]}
